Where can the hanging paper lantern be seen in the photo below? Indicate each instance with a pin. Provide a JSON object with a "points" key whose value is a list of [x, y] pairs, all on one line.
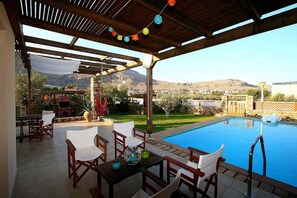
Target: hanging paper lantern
{"points": [[145, 31], [114, 33], [126, 39], [110, 29], [135, 37], [158, 19], [171, 2], [120, 37]]}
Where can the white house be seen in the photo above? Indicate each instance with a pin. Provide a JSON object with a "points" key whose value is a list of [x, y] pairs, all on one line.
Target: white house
{"points": [[286, 88]]}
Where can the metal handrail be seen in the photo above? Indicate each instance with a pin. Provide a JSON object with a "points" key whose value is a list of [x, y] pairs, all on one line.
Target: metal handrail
{"points": [[249, 188]]}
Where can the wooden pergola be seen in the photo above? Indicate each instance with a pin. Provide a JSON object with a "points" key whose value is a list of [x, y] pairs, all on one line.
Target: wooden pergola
{"points": [[188, 26]]}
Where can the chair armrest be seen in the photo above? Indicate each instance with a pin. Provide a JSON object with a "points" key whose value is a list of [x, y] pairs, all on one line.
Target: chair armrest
{"points": [[140, 130], [103, 139], [153, 177], [182, 165], [70, 146], [151, 186], [196, 158], [102, 142], [139, 133], [197, 150], [119, 134]]}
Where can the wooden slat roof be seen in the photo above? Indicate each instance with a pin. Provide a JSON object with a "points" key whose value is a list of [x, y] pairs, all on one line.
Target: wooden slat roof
{"points": [[188, 26]]}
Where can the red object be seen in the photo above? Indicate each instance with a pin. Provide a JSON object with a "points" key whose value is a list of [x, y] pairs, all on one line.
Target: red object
{"points": [[135, 37], [101, 108], [171, 2], [114, 33]]}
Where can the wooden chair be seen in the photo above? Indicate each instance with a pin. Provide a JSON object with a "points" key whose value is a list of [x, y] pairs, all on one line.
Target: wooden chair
{"points": [[126, 135], [84, 149], [168, 190], [39, 128], [198, 169]]}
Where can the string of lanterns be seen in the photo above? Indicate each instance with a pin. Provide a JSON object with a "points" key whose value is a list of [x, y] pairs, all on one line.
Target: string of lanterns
{"points": [[145, 31]]}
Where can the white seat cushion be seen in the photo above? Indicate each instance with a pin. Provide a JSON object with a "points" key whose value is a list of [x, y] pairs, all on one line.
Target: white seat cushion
{"points": [[88, 154], [132, 141]]}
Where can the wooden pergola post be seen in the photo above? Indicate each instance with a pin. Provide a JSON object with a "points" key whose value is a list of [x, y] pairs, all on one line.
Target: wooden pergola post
{"points": [[29, 92], [149, 98]]}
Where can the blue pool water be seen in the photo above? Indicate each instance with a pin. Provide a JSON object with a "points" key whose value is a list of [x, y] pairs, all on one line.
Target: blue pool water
{"points": [[238, 134]]}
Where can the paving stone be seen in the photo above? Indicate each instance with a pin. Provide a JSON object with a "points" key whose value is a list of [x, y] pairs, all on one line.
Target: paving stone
{"points": [[182, 154], [172, 150], [177, 152], [230, 173], [255, 182], [162, 146], [266, 187], [282, 193], [240, 177], [166, 148], [222, 169]]}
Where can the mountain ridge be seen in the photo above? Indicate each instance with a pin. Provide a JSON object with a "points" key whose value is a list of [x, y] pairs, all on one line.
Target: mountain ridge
{"points": [[136, 81]]}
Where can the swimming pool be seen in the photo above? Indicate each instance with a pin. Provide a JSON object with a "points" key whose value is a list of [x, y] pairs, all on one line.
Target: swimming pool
{"points": [[238, 134]]}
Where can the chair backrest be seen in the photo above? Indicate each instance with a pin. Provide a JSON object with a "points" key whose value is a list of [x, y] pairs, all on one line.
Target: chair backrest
{"points": [[82, 138], [168, 190], [47, 112], [208, 163], [125, 128], [48, 118]]}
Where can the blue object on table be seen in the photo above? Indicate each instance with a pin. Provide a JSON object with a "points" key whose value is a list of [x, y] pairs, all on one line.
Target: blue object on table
{"points": [[116, 165]]}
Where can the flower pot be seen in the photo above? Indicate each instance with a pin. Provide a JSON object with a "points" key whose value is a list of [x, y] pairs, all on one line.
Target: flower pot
{"points": [[88, 115]]}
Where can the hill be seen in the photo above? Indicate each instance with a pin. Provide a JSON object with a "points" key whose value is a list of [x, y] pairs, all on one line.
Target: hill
{"points": [[137, 81]]}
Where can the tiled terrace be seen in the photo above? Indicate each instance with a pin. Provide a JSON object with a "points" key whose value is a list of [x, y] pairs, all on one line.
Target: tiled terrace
{"points": [[42, 168]]}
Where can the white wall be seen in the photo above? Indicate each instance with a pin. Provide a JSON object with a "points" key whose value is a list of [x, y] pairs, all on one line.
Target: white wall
{"points": [[8, 168], [286, 89]]}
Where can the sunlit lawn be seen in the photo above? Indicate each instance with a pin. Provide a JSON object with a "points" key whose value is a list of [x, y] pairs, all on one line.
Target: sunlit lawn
{"points": [[160, 122]]}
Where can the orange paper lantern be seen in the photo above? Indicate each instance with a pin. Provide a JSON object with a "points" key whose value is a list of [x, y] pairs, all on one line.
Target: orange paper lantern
{"points": [[135, 37], [114, 33], [171, 2]]}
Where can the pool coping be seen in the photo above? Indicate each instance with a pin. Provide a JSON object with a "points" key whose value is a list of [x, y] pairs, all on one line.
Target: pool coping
{"points": [[268, 184]]}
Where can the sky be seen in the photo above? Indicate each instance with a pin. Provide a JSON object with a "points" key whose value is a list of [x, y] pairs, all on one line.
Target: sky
{"points": [[268, 57]]}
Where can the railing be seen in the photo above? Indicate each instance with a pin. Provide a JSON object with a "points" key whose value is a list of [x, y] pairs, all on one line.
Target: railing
{"points": [[250, 171]]}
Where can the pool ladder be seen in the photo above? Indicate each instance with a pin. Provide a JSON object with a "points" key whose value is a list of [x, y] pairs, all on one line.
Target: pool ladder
{"points": [[248, 194]]}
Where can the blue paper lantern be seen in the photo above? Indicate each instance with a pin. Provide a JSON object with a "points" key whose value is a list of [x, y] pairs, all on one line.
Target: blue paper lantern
{"points": [[126, 39], [110, 29], [158, 19]]}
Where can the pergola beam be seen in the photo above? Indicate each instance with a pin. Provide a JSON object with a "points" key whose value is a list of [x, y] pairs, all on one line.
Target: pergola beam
{"points": [[267, 24], [98, 65], [81, 34], [64, 54], [78, 48], [250, 9], [17, 29], [100, 18], [173, 16]]}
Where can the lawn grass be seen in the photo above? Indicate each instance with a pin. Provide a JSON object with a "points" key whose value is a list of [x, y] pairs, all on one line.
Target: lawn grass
{"points": [[160, 122]]}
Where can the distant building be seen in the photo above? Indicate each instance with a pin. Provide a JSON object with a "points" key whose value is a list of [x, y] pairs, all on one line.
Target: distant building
{"points": [[286, 88]]}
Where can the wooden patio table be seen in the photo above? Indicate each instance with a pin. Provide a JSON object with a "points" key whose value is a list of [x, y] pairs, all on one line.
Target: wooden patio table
{"points": [[115, 176], [25, 118]]}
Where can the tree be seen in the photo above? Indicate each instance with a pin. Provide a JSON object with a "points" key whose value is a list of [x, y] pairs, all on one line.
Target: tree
{"points": [[37, 83], [256, 93], [278, 97], [167, 101], [171, 101], [115, 93]]}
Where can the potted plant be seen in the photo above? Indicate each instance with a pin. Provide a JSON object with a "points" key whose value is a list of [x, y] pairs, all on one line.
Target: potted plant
{"points": [[88, 112]]}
